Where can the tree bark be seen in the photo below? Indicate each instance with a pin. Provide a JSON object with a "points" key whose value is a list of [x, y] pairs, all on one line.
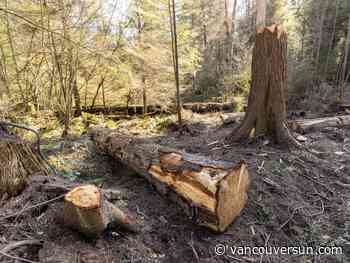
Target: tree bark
{"points": [[176, 66], [77, 112], [266, 113], [260, 13], [345, 63], [213, 193]]}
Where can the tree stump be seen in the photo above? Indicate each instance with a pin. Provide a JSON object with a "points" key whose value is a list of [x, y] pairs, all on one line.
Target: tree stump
{"points": [[87, 210], [18, 161], [266, 113], [211, 192]]}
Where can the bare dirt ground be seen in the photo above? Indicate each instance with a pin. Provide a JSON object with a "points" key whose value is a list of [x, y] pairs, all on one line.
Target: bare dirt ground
{"points": [[293, 201]]}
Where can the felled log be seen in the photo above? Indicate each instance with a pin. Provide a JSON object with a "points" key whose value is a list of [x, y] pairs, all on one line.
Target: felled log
{"points": [[212, 192], [88, 211], [307, 125], [132, 110], [121, 109], [209, 107], [18, 161], [230, 118]]}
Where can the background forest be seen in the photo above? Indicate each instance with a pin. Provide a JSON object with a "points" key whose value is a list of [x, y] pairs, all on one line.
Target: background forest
{"points": [[66, 55]]}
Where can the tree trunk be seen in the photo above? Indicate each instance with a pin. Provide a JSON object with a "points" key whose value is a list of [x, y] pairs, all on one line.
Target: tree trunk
{"points": [[345, 63], [176, 66], [260, 13], [234, 10], [213, 193], [320, 37], [266, 113], [144, 96], [77, 112]]}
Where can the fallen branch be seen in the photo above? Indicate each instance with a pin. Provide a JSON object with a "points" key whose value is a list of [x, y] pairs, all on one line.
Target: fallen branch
{"points": [[212, 192]]}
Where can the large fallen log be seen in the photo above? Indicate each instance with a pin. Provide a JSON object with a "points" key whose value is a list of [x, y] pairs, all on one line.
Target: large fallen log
{"points": [[122, 110], [18, 160], [307, 125], [213, 193], [200, 107], [207, 107]]}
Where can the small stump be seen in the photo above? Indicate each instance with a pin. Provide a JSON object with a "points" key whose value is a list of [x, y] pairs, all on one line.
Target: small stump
{"points": [[86, 210]]}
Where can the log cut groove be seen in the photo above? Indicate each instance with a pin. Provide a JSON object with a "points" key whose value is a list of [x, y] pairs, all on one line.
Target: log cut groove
{"points": [[212, 192]]}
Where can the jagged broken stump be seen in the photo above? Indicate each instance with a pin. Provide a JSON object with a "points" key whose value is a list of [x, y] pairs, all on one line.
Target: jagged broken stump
{"points": [[88, 211], [213, 193]]}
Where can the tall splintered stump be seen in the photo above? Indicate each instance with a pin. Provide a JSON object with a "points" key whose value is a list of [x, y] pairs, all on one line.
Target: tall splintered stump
{"points": [[211, 192], [18, 161], [266, 113], [86, 210]]}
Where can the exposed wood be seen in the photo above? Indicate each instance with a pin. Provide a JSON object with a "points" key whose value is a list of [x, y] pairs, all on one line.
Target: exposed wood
{"points": [[86, 210], [213, 193], [229, 118], [307, 125]]}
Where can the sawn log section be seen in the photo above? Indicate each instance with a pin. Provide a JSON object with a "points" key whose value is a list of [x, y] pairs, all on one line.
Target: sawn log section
{"points": [[213, 193]]}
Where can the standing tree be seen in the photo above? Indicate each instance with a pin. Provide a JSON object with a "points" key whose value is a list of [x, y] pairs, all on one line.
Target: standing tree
{"points": [[344, 77], [266, 113], [172, 14]]}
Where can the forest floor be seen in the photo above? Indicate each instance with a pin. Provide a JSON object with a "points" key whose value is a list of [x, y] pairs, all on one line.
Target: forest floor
{"points": [[294, 201]]}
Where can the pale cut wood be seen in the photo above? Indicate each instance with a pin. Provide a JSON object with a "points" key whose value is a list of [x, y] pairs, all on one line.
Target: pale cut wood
{"points": [[86, 210], [229, 118], [307, 125], [213, 193]]}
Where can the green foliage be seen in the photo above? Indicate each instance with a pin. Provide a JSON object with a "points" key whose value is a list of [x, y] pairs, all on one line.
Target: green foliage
{"points": [[163, 123]]}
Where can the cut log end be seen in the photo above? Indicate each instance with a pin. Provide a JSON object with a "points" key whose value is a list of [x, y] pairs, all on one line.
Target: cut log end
{"points": [[232, 196], [218, 194], [85, 197]]}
